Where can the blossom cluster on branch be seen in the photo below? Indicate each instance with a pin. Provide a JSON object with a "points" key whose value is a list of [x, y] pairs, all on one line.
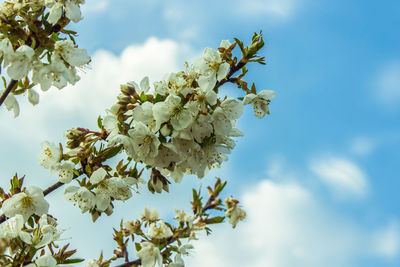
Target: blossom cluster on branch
{"points": [[180, 125], [37, 49]]}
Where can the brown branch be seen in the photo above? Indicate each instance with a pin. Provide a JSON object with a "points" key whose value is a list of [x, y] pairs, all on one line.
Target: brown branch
{"points": [[57, 185], [50, 189], [125, 252], [9, 88], [129, 264], [232, 71]]}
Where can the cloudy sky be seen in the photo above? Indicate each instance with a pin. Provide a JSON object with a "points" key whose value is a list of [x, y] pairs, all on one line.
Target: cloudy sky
{"points": [[319, 178]]}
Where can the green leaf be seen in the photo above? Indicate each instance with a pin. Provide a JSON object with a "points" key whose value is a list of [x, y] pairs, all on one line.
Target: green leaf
{"points": [[71, 261], [240, 43], [112, 152], [75, 171], [158, 98], [218, 219], [100, 122], [253, 89], [221, 187], [143, 97], [195, 196], [30, 222]]}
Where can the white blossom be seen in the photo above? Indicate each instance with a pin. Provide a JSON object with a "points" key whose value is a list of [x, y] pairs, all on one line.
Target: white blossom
{"points": [[145, 142], [148, 215], [55, 12], [74, 56], [144, 114], [92, 263], [56, 73], [182, 216], [6, 49], [26, 203], [178, 261], [46, 233], [232, 108], [33, 97], [225, 44], [42, 74], [162, 111], [144, 86], [98, 176], [234, 212], [12, 227], [81, 196], [73, 11], [260, 102], [126, 141], [211, 68], [110, 121], [45, 260], [149, 255], [65, 171], [202, 127], [50, 156], [20, 62], [11, 103], [184, 117], [48, 228], [159, 232], [113, 187]]}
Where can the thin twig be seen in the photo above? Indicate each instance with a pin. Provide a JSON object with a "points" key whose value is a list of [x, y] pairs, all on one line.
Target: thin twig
{"points": [[7, 91], [129, 264], [50, 189], [126, 256], [232, 71]]}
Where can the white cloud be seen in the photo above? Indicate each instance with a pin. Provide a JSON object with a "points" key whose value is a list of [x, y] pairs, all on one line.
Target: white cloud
{"points": [[99, 86], [344, 176], [387, 85], [94, 6], [80, 105], [387, 241], [362, 146], [287, 225], [279, 9]]}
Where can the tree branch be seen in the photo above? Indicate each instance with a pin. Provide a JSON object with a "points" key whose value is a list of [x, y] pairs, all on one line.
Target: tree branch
{"points": [[129, 264], [50, 189], [9, 88], [232, 71]]}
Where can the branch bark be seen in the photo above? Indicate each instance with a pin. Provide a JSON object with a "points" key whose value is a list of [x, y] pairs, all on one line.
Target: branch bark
{"points": [[129, 264], [8, 90]]}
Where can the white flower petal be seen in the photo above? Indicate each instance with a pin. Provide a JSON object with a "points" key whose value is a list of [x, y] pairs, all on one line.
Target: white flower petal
{"points": [[33, 97]]}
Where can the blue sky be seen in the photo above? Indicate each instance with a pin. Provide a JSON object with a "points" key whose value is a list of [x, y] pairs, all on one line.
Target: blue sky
{"points": [[319, 177]]}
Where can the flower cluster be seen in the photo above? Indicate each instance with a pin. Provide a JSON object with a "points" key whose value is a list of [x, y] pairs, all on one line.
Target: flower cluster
{"points": [[27, 233], [164, 244], [32, 46], [182, 126], [17, 235], [106, 189]]}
